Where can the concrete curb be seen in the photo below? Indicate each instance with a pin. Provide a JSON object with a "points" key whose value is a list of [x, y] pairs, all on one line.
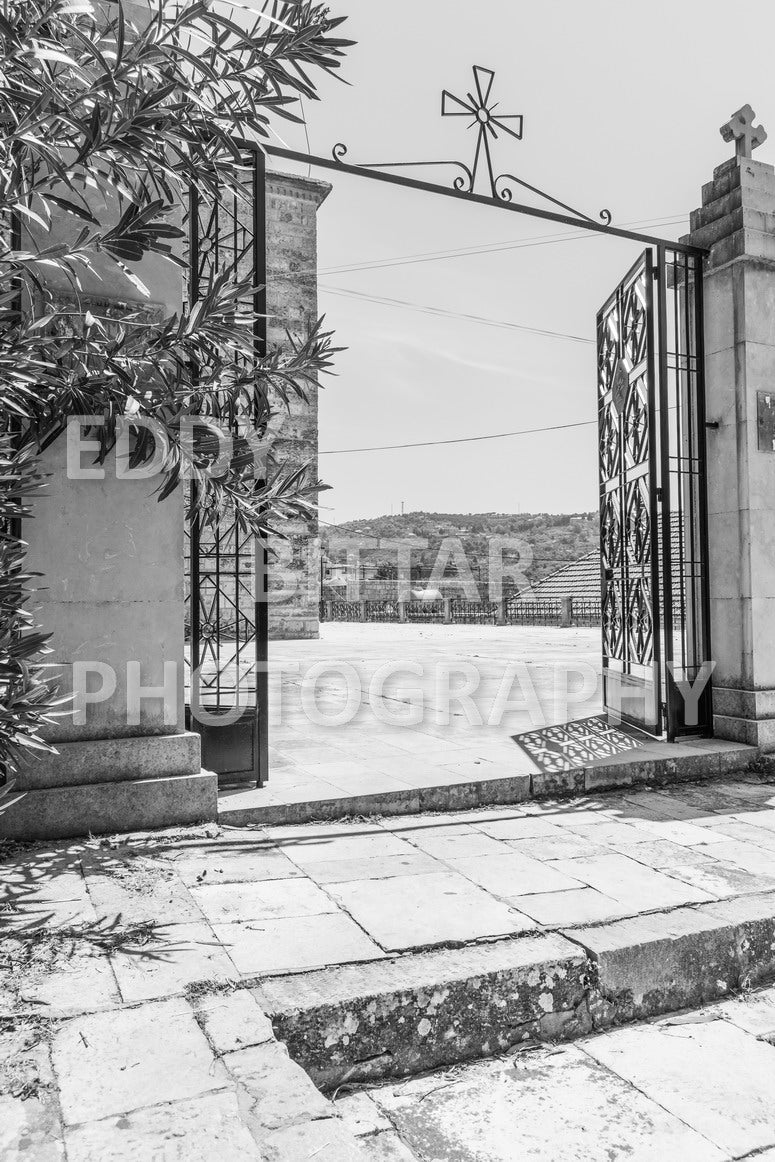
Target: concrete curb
{"points": [[608, 774], [111, 808], [359, 1022], [674, 960], [431, 1009]]}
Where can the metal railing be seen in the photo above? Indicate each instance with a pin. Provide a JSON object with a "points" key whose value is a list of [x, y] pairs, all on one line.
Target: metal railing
{"points": [[475, 612], [457, 611], [534, 613], [587, 612]]}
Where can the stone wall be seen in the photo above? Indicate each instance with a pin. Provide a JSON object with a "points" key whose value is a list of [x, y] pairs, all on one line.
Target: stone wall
{"points": [[294, 574]]}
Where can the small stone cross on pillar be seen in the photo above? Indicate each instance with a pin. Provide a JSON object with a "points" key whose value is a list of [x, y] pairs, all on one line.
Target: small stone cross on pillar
{"points": [[741, 129]]}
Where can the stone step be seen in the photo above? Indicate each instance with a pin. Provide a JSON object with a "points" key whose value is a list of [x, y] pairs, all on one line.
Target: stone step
{"points": [[359, 1022], [106, 808], [659, 764]]}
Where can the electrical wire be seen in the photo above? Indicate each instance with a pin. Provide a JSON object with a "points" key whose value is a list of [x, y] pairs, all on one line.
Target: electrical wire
{"points": [[442, 312], [495, 248], [459, 439], [465, 251]]}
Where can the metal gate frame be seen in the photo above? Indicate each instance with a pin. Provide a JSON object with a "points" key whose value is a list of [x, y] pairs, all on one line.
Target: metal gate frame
{"points": [[683, 494], [238, 749], [653, 548]]}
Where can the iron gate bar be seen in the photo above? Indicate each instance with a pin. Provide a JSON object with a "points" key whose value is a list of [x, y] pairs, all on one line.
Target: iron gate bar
{"points": [[684, 507], [656, 497], [666, 515], [702, 457], [480, 199], [262, 555]]}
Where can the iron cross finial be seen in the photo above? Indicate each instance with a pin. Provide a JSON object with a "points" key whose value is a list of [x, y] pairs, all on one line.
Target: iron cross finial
{"points": [[479, 107], [740, 128]]}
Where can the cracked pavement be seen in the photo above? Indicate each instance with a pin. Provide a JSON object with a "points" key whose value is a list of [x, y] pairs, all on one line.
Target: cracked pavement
{"points": [[128, 1024]]}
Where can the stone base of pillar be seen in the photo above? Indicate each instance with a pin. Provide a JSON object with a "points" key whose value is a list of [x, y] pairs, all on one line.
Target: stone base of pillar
{"points": [[104, 786], [745, 716]]}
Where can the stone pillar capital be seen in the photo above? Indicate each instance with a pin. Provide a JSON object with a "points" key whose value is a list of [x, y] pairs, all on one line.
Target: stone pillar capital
{"points": [[737, 216], [294, 185]]}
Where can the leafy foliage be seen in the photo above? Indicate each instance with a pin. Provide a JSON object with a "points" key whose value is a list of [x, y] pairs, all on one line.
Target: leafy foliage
{"points": [[107, 123], [27, 698]]}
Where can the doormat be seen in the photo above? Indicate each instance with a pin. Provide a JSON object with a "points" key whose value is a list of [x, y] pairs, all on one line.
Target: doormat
{"points": [[575, 744]]}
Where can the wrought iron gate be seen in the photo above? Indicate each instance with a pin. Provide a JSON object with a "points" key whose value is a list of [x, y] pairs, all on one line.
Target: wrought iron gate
{"points": [[653, 521], [227, 616], [652, 462]]}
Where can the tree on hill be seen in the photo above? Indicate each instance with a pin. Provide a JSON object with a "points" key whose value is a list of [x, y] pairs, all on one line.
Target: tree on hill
{"points": [[552, 539]]}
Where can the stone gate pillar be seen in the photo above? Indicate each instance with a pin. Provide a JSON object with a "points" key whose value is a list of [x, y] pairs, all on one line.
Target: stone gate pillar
{"points": [[111, 593], [736, 222], [292, 202]]}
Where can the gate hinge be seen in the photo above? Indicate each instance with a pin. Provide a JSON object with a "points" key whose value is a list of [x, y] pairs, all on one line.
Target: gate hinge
{"points": [[659, 495]]}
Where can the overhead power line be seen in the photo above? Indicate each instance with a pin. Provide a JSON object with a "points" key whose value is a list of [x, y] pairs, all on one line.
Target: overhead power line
{"points": [[494, 248], [442, 312], [466, 251], [459, 439]]}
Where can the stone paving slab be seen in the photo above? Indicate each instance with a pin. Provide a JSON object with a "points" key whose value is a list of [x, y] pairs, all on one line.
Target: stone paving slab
{"points": [[565, 1107], [292, 945], [200, 1129], [29, 1111], [179, 1079], [699, 1086], [511, 875], [180, 955], [712, 1076], [72, 979], [246, 862], [107, 1066], [576, 906], [418, 911], [273, 900]]}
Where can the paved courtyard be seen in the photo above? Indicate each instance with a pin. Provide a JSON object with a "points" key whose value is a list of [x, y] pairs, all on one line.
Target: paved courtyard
{"points": [[384, 718], [134, 971], [400, 726]]}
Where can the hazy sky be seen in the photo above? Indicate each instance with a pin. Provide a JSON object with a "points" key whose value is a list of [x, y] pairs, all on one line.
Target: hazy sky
{"points": [[622, 105]]}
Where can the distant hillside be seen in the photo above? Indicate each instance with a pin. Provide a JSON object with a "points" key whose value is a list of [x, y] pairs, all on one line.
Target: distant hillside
{"points": [[555, 539]]}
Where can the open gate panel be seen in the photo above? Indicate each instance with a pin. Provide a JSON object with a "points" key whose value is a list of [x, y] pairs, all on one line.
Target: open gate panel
{"points": [[653, 521]]}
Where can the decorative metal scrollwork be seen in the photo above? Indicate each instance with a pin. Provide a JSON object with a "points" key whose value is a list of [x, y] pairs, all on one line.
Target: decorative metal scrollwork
{"points": [[488, 123], [636, 422], [626, 481], [463, 183]]}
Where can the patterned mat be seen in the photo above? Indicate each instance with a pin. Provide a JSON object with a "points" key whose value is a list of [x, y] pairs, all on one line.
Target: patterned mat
{"points": [[575, 744]]}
